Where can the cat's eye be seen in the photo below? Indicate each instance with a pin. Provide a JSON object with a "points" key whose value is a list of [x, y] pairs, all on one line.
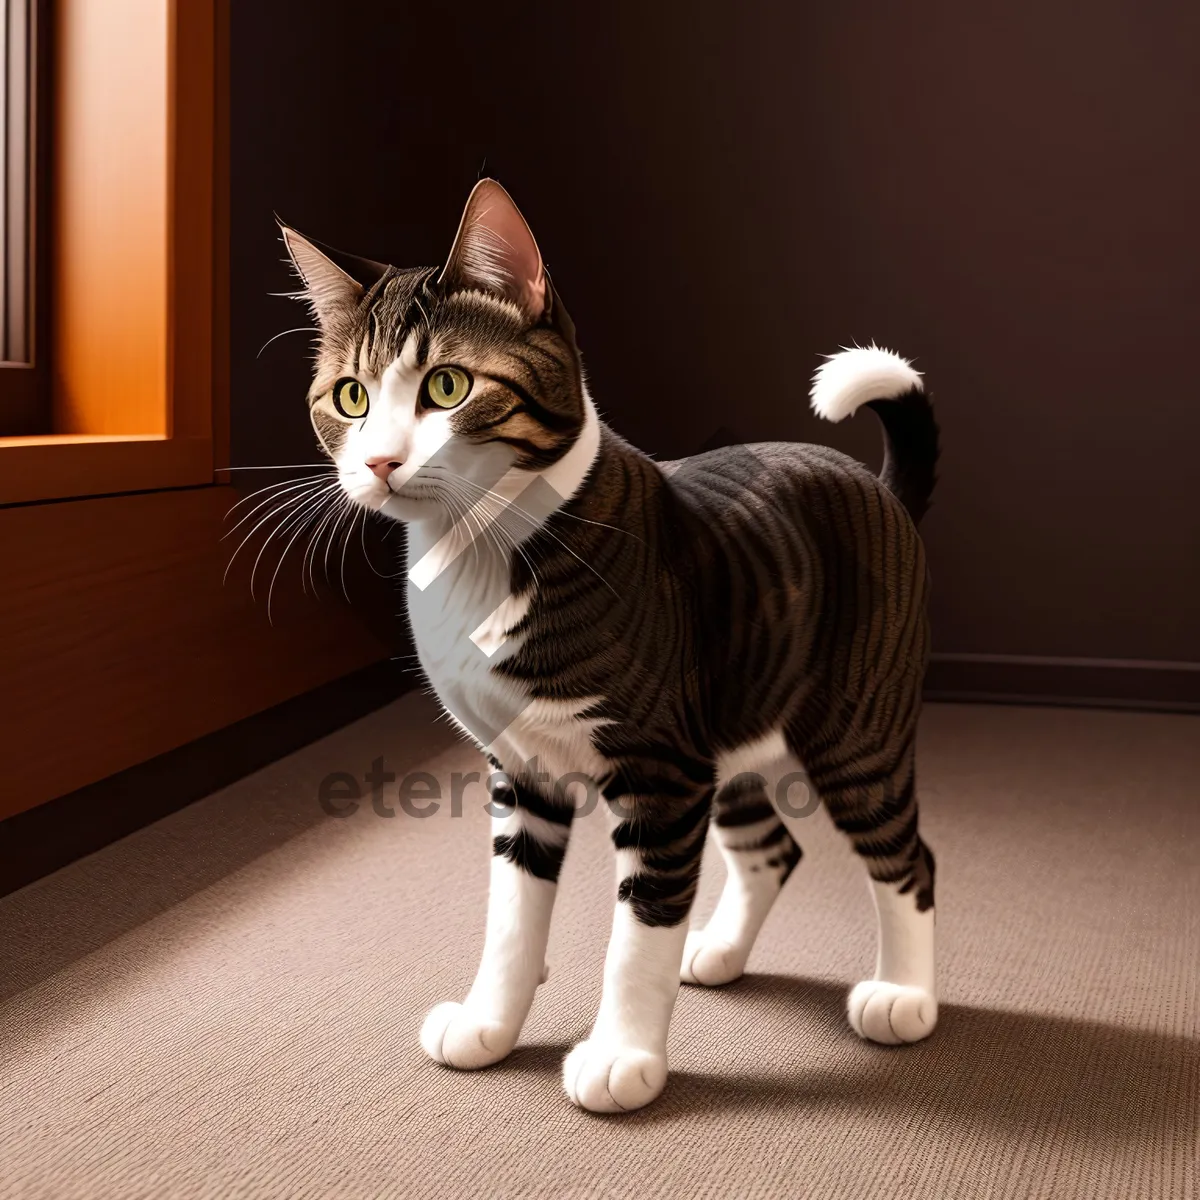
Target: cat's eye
{"points": [[350, 398], [447, 387]]}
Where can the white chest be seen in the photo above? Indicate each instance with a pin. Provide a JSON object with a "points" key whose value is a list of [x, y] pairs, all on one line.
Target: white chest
{"points": [[461, 610]]}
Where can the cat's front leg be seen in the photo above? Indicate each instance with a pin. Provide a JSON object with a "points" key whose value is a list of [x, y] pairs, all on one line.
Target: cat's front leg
{"points": [[530, 833], [623, 1064]]}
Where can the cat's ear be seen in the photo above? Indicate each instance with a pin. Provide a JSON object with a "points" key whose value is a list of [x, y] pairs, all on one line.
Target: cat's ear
{"points": [[495, 252], [328, 287]]}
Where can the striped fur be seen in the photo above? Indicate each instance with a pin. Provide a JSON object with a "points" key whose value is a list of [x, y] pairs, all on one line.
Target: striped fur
{"points": [[651, 626]]}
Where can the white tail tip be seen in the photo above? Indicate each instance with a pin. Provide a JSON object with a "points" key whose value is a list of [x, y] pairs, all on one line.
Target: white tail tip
{"points": [[846, 380]]}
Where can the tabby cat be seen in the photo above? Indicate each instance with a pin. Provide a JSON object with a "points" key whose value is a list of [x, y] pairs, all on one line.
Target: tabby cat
{"points": [[674, 636]]}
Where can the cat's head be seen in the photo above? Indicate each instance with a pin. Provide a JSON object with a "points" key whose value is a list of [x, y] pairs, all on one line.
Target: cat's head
{"points": [[432, 383]]}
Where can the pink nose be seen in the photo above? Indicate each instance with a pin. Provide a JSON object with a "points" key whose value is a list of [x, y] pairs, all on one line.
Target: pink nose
{"points": [[382, 467]]}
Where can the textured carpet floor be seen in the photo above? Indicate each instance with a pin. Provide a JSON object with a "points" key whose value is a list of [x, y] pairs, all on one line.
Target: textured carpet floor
{"points": [[227, 1003]]}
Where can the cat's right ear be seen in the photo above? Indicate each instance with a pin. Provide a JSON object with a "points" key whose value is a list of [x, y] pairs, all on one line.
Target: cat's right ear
{"points": [[328, 288], [494, 251]]}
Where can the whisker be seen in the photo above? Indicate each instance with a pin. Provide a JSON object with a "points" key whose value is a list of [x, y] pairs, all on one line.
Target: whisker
{"points": [[303, 522], [281, 467], [557, 512], [491, 533], [275, 512], [347, 507], [362, 537], [345, 547], [462, 513], [298, 329], [460, 531], [461, 510], [537, 527], [314, 545], [279, 483], [499, 529], [316, 523], [331, 532], [281, 490], [297, 512]]}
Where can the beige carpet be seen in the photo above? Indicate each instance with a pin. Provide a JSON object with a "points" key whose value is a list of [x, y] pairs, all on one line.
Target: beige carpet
{"points": [[227, 1003]]}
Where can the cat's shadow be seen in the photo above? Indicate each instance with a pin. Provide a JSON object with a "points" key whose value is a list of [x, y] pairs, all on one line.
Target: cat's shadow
{"points": [[1006, 1071]]}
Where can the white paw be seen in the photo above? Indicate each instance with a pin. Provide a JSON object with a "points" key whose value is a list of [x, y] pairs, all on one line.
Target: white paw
{"points": [[710, 962], [457, 1038], [891, 1013], [602, 1077]]}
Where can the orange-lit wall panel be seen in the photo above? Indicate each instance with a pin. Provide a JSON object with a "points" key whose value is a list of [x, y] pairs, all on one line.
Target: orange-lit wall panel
{"points": [[110, 223]]}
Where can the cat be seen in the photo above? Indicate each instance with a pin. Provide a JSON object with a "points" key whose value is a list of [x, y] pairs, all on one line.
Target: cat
{"points": [[671, 635]]}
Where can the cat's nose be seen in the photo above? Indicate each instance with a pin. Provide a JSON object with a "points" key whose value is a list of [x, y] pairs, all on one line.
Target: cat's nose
{"points": [[382, 467]]}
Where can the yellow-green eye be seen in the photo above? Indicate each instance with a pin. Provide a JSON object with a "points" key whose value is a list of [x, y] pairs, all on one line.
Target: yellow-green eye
{"points": [[447, 387], [350, 398]]}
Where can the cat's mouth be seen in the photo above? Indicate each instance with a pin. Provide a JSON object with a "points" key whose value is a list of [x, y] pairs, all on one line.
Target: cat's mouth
{"points": [[413, 500], [381, 496], [416, 490]]}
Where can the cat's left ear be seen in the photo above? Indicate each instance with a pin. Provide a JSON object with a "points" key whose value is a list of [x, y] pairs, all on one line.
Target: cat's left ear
{"points": [[495, 252], [329, 287]]}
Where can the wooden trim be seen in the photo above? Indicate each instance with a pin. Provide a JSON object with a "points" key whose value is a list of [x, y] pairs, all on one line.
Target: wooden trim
{"points": [[190, 211], [1044, 679], [24, 387], [55, 468]]}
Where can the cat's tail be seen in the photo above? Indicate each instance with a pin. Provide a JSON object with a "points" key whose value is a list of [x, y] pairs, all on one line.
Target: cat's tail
{"points": [[894, 389]]}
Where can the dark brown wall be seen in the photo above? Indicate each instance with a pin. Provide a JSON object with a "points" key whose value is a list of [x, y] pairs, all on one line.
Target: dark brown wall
{"points": [[1008, 195]]}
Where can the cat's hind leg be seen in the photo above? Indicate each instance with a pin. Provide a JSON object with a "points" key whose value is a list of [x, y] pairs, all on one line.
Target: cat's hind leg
{"points": [[759, 855], [871, 796]]}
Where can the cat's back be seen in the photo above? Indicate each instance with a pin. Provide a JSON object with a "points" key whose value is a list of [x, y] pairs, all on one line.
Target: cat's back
{"points": [[833, 496], [806, 540]]}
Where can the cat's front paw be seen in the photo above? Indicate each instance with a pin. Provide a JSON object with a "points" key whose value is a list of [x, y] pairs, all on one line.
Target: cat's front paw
{"points": [[891, 1013], [604, 1077], [709, 961], [456, 1037]]}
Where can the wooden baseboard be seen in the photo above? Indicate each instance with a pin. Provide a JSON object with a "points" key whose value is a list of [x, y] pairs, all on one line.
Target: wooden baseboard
{"points": [[1090, 682], [43, 839]]}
